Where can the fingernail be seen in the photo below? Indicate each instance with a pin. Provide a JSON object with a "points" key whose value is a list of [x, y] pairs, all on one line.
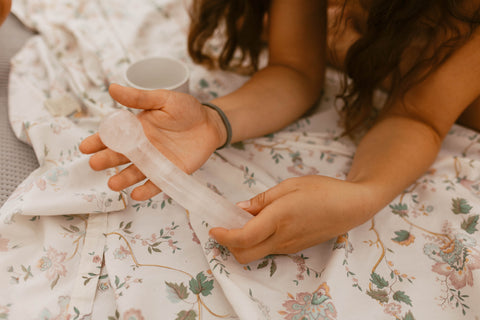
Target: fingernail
{"points": [[244, 204]]}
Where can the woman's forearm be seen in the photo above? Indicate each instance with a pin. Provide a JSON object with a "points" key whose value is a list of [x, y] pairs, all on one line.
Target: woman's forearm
{"points": [[292, 82], [270, 100], [391, 156]]}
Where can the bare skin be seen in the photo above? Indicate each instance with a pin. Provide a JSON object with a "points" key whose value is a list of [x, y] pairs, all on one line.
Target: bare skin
{"points": [[5, 6], [392, 155], [344, 30]]}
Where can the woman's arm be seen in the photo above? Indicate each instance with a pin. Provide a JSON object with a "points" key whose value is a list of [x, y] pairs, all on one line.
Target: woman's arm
{"points": [[292, 81], [187, 132], [406, 140], [301, 212]]}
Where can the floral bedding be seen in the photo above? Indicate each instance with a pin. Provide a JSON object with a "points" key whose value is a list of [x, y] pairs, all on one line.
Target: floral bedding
{"points": [[70, 248]]}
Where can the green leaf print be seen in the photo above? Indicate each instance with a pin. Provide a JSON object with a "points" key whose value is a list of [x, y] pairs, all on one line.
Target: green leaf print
{"points": [[470, 224], [400, 209], [180, 290], [400, 296], [273, 268], [249, 177], [77, 313], [402, 235], [238, 145], [269, 136], [186, 315], [199, 284], [378, 280], [263, 264], [203, 83], [319, 299], [380, 295], [54, 282], [273, 265], [460, 206], [409, 316]]}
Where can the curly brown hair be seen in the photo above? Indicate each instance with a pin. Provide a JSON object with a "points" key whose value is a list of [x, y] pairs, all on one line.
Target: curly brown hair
{"points": [[391, 29], [435, 28], [243, 23]]}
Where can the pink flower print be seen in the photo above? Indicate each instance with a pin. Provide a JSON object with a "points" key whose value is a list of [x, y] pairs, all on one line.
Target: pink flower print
{"points": [[300, 172], [459, 278], [305, 305], [133, 314], [97, 259], [298, 168], [3, 244], [52, 264], [4, 311], [54, 174], [89, 197], [455, 260], [301, 266], [172, 245], [194, 235], [467, 183], [41, 184], [393, 309], [195, 238], [473, 186], [56, 128], [121, 253]]}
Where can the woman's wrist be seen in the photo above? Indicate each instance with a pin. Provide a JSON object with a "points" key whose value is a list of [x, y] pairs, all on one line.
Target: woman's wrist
{"points": [[221, 124], [376, 194]]}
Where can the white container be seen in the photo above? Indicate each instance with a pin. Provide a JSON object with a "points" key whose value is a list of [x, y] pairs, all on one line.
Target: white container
{"points": [[158, 73]]}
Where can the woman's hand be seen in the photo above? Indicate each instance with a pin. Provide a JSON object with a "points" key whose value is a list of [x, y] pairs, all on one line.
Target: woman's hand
{"points": [[296, 214], [184, 130]]}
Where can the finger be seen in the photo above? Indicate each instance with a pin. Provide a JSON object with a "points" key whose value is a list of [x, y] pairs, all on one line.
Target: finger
{"points": [[247, 255], [262, 200], [276, 243], [139, 99], [126, 178], [145, 191], [254, 232], [107, 158], [91, 144]]}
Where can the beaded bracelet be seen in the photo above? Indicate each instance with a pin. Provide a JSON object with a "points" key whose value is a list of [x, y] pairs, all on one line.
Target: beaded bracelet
{"points": [[225, 121]]}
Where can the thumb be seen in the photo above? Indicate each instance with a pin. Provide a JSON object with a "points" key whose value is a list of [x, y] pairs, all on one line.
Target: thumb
{"points": [[139, 99], [262, 200]]}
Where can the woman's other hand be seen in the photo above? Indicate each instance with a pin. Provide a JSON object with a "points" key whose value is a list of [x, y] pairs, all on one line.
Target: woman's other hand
{"points": [[296, 214], [177, 124]]}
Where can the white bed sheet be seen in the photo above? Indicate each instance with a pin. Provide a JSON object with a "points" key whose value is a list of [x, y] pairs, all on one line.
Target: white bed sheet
{"points": [[70, 248]]}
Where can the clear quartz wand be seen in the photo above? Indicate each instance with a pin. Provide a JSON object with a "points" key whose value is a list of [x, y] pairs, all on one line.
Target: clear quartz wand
{"points": [[122, 132]]}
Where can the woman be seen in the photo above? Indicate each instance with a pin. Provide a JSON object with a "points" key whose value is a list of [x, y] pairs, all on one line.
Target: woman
{"points": [[424, 53]]}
